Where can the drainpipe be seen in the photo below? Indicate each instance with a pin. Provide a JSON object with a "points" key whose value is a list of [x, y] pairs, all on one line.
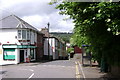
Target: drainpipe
{"points": [[48, 41]]}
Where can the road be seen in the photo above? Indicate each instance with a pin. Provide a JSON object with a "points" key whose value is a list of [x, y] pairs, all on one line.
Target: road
{"points": [[53, 69], [69, 69]]}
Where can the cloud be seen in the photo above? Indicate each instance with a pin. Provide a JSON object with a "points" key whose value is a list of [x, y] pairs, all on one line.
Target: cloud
{"points": [[28, 7], [37, 13]]}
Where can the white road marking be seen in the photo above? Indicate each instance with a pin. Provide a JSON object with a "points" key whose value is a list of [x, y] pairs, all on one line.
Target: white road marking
{"points": [[31, 70], [23, 69], [31, 76], [82, 70], [62, 66], [58, 66], [27, 69], [32, 66]]}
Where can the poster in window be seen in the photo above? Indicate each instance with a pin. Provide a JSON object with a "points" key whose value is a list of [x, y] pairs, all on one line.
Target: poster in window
{"points": [[9, 54]]}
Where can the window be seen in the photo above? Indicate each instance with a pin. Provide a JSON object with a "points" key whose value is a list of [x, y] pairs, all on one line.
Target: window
{"points": [[32, 53], [28, 35], [19, 34], [9, 54], [24, 34]]}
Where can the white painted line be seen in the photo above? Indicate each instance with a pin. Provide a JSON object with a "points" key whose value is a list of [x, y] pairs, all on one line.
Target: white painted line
{"points": [[27, 69], [32, 66], [75, 62], [82, 70], [23, 69], [44, 65], [31, 70], [31, 76]]}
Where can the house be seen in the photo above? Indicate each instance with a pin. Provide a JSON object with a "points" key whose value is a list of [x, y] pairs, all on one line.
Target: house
{"points": [[63, 54], [40, 46], [77, 50], [54, 48], [19, 41]]}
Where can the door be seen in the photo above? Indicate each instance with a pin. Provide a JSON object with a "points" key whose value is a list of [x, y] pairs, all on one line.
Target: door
{"points": [[21, 55]]}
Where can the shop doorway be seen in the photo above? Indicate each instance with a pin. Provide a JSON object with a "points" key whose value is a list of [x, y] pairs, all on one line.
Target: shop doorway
{"points": [[21, 56]]}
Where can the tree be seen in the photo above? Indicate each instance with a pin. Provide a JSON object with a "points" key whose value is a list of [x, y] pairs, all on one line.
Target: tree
{"points": [[97, 24]]}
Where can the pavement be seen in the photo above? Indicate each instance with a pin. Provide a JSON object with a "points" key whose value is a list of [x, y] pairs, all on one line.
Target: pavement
{"points": [[89, 72]]}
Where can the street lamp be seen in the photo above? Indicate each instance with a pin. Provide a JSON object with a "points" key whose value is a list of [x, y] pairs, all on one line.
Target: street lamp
{"points": [[48, 41]]}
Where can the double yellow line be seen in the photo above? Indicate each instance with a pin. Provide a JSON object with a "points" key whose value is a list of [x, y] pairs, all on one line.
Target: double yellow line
{"points": [[77, 70]]}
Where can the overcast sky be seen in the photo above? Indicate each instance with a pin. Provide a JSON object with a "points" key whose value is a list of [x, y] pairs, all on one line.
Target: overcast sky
{"points": [[37, 13]]}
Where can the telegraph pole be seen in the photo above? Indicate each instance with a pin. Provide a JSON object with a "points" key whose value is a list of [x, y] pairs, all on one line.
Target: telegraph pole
{"points": [[48, 41]]}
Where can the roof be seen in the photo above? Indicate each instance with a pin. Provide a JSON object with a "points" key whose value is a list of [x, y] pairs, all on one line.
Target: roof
{"points": [[47, 34], [14, 22]]}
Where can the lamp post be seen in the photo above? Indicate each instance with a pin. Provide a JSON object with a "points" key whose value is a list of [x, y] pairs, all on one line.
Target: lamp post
{"points": [[48, 41]]}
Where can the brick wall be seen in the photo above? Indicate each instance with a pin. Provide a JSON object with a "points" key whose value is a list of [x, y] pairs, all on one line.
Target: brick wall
{"points": [[40, 47]]}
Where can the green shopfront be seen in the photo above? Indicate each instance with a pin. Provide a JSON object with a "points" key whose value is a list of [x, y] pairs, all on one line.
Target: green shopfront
{"points": [[18, 53]]}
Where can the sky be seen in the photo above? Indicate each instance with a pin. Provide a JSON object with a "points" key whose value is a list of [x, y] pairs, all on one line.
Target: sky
{"points": [[37, 13]]}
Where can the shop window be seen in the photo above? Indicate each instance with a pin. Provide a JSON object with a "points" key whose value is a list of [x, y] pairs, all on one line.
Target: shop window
{"points": [[9, 54]]}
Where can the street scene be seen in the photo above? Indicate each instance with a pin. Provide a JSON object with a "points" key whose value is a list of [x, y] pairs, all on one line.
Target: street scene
{"points": [[60, 39]]}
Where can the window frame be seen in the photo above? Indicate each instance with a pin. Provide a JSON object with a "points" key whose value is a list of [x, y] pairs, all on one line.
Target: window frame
{"points": [[20, 34], [24, 36]]}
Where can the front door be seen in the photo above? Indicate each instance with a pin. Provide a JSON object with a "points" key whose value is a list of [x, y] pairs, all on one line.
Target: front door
{"points": [[21, 55]]}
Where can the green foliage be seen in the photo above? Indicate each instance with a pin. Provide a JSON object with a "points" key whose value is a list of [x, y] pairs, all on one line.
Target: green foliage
{"points": [[77, 38], [70, 50], [96, 24], [64, 36]]}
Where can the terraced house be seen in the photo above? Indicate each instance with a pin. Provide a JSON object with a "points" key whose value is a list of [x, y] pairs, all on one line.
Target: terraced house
{"points": [[56, 47], [19, 41]]}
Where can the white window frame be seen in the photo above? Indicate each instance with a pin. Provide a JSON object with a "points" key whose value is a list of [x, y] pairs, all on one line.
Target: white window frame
{"points": [[24, 36], [20, 35]]}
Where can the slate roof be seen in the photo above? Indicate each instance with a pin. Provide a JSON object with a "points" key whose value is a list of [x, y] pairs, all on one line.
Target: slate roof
{"points": [[14, 22]]}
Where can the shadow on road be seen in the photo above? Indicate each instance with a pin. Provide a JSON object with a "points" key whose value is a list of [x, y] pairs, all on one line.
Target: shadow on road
{"points": [[3, 72]]}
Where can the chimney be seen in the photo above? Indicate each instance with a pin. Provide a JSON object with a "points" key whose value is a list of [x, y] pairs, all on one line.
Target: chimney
{"points": [[45, 31]]}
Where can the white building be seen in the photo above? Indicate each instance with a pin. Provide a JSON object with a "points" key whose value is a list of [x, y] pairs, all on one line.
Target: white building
{"points": [[53, 48], [18, 40]]}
